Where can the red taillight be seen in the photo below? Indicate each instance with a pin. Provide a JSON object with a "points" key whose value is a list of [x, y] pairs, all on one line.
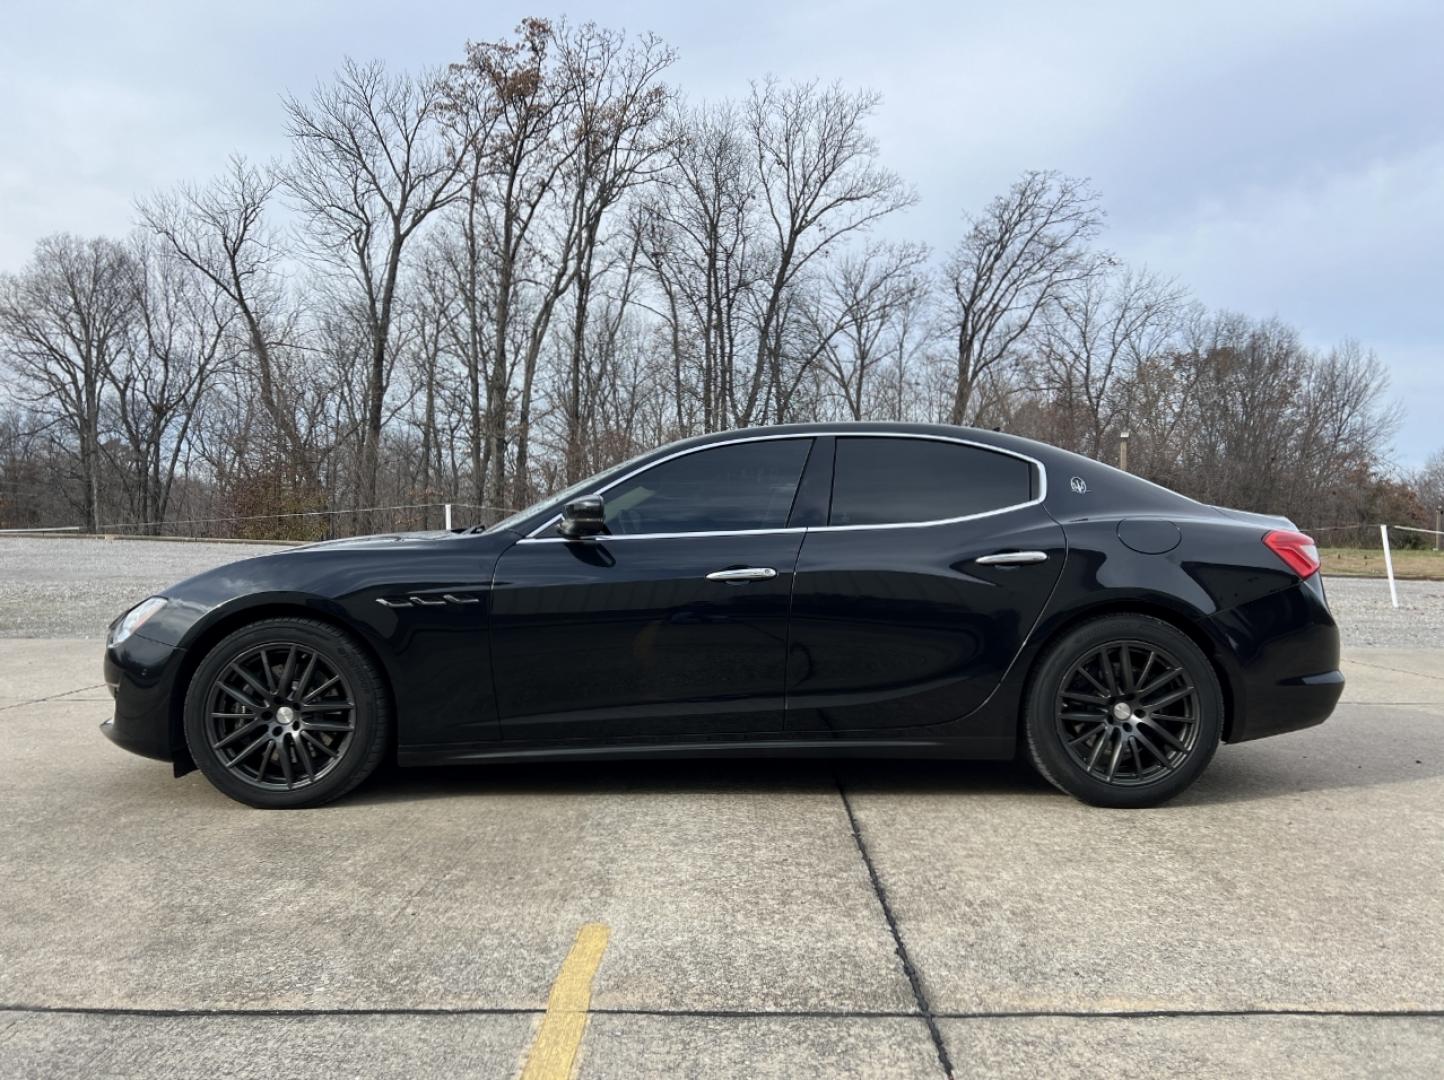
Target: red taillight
{"points": [[1298, 551]]}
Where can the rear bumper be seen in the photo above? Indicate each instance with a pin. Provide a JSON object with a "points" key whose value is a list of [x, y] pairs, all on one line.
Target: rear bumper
{"points": [[1280, 654], [141, 675]]}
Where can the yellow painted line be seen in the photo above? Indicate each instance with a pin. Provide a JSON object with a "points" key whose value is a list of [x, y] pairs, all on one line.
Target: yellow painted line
{"points": [[554, 1050]]}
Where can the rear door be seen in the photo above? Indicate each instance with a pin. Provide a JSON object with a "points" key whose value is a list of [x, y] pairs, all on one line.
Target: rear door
{"points": [[911, 603]]}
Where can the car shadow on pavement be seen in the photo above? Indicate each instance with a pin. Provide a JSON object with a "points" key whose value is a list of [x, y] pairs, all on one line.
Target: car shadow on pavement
{"points": [[1238, 774], [704, 777]]}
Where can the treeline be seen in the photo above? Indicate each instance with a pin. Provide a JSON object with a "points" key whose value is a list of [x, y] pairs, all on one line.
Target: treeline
{"points": [[478, 284]]}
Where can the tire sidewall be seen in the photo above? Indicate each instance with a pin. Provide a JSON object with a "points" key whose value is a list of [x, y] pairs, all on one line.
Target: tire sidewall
{"points": [[1045, 744], [368, 693]]}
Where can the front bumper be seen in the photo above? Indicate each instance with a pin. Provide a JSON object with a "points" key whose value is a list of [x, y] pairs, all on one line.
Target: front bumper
{"points": [[142, 677], [1281, 655]]}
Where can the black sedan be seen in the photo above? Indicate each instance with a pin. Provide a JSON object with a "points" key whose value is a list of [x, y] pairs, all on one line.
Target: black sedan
{"points": [[858, 589]]}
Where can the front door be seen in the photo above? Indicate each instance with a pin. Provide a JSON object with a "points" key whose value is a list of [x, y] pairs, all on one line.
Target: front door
{"points": [[674, 624]]}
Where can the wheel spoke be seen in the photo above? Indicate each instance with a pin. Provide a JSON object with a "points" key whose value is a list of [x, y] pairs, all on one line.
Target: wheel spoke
{"points": [[1087, 734], [1083, 670], [1161, 681], [1097, 750], [250, 681], [319, 745], [236, 735], [283, 755], [236, 695], [1113, 761], [327, 706], [332, 681], [1152, 749], [1108, 671], [265, 760], [1126, 664], [1169, 698], [248, 751], [288, 672], [1091, 699], [1147, 665], [327, 725], [305, 679], [304, 755], [1087, 717], [1163, 733], [1137, 761]]}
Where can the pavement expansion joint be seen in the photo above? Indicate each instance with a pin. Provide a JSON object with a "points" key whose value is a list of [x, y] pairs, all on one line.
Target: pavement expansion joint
{"points": [[914, 980]]}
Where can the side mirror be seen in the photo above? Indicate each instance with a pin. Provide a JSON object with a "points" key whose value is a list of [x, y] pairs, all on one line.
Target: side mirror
{"points": [[583, 517]]}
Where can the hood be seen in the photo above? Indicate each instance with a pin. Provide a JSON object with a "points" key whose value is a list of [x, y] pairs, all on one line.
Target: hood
{"points": [[378, 540]]}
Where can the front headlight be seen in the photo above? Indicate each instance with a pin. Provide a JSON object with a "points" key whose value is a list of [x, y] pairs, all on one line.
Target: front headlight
{"points": [[135, 618]]}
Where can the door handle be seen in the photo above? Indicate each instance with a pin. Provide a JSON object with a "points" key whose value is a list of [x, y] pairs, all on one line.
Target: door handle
{"points": [[746, 573], [1012, 558]]}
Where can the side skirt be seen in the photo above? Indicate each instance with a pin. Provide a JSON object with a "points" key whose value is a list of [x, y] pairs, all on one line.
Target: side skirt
{"points": [[970, 749]]}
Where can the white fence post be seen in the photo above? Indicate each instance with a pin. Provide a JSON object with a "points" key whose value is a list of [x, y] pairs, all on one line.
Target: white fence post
{"points": [[448, 517], [1389, 564]]}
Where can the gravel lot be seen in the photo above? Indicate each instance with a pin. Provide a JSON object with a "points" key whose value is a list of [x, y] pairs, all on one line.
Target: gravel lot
{"points": [[53, 587], [74, 587]]}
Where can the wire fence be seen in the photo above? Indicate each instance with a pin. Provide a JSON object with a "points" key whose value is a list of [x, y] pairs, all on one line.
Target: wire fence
{"points": [[1368, 537], [300, 525]]}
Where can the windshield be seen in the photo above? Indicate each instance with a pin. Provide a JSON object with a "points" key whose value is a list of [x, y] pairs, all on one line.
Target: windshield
{"points": [[565, 495]]}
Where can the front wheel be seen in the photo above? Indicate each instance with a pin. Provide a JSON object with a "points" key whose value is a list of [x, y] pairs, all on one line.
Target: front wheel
{"points": [[1124, 711], [286, 713]]}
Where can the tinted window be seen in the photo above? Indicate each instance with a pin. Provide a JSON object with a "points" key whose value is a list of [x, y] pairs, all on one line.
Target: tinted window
{"points": [[742, 486], [885, 481]]}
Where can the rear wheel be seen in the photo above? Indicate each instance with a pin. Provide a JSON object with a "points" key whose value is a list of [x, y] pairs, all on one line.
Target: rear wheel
{"points": [[286, 713], [1124, 711]]}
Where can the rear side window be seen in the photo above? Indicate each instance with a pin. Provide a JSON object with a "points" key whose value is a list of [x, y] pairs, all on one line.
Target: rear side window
{"points": [[732, 488], [887, 481]]}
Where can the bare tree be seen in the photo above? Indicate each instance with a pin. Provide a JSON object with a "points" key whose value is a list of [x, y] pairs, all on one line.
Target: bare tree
{"points": [[1091, 340], [370, 166], [63, 325], [819, 181], [1029, 244], [619, 104], [859, 318], [220, 230], [695, 233], [505, 92], [180, 340]]}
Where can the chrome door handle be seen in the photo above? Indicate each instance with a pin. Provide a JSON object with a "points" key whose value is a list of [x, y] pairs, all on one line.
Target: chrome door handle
{"points": [[1012, 558], [746, 573]]}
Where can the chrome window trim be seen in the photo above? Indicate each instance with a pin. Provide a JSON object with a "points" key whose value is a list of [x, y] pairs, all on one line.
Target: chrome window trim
{"points": [[534, 536]]}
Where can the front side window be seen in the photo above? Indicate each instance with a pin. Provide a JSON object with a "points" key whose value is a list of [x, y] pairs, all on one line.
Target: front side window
{"points": [[732, 488], [887, 481]]}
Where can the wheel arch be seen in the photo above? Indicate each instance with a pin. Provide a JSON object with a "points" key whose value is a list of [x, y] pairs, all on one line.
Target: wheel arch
{"points": [[213, 633], [1135, 606]]}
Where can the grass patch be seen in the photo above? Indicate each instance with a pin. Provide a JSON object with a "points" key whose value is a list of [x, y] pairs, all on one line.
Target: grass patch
{"points": [[1366, 562]]}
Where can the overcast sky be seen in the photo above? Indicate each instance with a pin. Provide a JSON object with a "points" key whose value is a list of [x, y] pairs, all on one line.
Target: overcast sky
{"points": [[1278, 158]]}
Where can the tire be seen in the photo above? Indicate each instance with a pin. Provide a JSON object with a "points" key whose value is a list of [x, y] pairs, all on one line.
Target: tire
{"points": [[1103, 721], [287, 713]]}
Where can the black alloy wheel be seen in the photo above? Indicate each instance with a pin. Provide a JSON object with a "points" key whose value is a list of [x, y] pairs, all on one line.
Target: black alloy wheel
{"points": [[1128, 713], [286, 713], [1124, 711]]}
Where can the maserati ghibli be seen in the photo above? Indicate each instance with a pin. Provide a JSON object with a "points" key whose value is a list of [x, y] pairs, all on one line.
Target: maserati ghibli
{"points": [[826, 589]]}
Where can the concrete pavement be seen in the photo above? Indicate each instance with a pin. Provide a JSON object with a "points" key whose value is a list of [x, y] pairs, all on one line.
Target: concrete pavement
{"points": [[1282, 918]]}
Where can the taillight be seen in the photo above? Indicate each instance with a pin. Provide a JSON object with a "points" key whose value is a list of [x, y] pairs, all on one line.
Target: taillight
{"points": [[1298, 551]]}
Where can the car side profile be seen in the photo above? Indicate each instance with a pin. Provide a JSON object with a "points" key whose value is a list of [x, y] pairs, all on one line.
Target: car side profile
{"points": [[903, 590]]}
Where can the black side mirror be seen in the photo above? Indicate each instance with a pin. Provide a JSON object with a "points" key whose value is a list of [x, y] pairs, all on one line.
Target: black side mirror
{"points": [[583, 517]]}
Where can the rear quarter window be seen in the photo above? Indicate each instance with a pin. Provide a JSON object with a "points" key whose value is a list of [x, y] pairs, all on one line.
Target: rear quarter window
{"points": [[889, 481]]}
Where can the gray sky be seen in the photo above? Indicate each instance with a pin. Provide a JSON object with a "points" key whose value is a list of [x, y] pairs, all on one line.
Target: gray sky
{"points": [[1277, 157]]}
